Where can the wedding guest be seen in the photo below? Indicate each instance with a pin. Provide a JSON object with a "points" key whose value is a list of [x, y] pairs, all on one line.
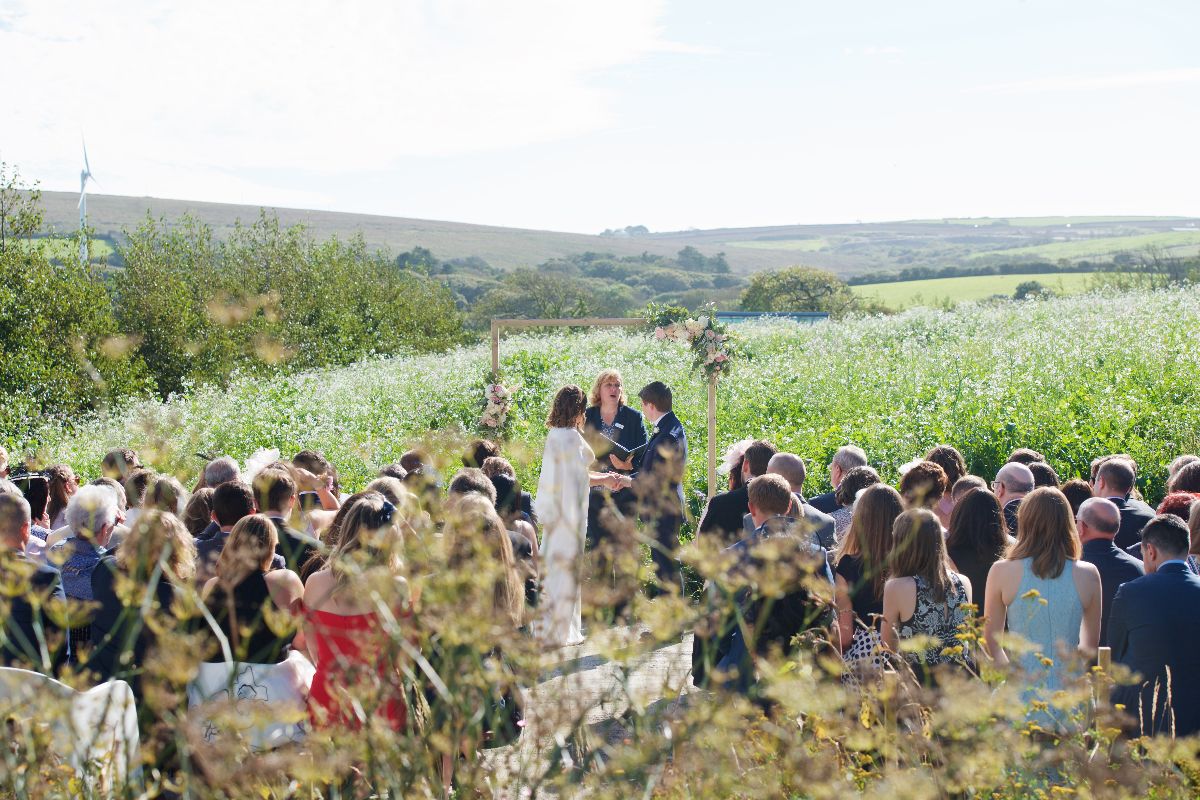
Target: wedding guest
{"points": [[1187, 479], [522, 536], [275, 492], [1026, 456], [923, 485], [1098, 521], [91, 516], [1114, 481], [854, 482], [395, 470], [4, 470], [166, 494], [731, 464], [609, 418], [316, 478], [36, 490], [862, 570], [923, 597], [845, 459], [1134, 498], [222, 469], [955, 466], [471, 480], [330, 537], [498, 465], [977, 538], [63, 485], [1193, 559], [159, 559], [1076, 491], [809, 521], [1044, 475], [136, 484], [965, 484], [1013, 481], [231, 502], [658, 485], [1155, 632], [478, 451], [117, 464], [1179, 463], [245, 586], [351, 602], [723, 519], [1177, 503], [197, 514], [1045, 595], [29, 637]]}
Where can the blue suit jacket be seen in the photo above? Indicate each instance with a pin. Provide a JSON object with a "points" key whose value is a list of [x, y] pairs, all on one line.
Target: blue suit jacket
{"points": [[661, 473], [1116, 568], [21, 645], [1155, 627]]}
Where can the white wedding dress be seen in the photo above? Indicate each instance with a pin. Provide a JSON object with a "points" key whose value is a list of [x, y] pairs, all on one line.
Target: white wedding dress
{"points": [[561, 504]]}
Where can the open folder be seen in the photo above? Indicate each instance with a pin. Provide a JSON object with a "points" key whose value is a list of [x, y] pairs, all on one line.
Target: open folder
{"points": [[619, 450]]}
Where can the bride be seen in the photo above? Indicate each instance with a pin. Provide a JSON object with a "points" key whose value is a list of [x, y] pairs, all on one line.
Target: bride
{"points": [[561, 504]]}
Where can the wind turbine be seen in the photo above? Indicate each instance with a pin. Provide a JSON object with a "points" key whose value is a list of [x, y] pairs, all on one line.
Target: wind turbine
{"points": [[84, 175]]}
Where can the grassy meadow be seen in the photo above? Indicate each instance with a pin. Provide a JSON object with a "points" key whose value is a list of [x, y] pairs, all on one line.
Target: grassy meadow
{"points": [[1176, 243], [942, 291], [1073, 377]]}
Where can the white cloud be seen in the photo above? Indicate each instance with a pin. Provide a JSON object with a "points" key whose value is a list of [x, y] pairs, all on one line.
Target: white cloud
{"points": [[208, 100], [1076, 83]]}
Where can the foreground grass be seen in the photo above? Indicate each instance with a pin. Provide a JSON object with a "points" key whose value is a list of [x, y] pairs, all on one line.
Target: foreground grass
{"points": [[1073, 377]]}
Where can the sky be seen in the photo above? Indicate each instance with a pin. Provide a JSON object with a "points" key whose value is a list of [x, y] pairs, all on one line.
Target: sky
{"points": [[580, 116]]}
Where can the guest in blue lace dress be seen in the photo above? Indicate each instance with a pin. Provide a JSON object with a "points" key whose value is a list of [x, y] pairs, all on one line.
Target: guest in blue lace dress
{"points": [[924, 597]]}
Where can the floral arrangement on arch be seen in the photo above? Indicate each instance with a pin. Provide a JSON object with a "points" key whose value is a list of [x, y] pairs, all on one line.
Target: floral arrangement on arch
{"points": [[713, 346], [497, 402]]}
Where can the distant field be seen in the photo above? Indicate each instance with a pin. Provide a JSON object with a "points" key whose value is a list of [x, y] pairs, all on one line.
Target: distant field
{"points": [[906, 294], [1178, 242], [1042, 222], [65, 248], [799, 245]]}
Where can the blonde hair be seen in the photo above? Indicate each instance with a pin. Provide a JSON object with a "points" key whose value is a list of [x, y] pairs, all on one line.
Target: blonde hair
{"points": [[158, 537], [250, 548], [1046, 532], [476, 531], [604, 377], [369, 534]]}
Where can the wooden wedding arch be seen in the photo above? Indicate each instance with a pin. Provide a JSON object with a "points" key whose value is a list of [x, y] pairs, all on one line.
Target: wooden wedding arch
{"points": [[499, 325]]}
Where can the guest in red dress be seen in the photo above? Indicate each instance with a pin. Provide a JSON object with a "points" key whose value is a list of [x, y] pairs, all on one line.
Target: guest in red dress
{"points": [[351, 602]]}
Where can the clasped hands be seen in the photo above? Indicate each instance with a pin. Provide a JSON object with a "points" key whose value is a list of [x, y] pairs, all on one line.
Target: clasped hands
{"points": [[616, 481]]}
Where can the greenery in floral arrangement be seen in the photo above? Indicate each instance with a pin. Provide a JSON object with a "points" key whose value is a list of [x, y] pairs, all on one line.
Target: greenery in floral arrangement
{"points": [[713, 346]]}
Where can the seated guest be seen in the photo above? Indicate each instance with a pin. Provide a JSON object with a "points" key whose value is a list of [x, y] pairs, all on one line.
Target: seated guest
{"points": [[1177, 503], [1187, 479], [275, 492], [1099, 520], [1046, 596], [231, 502], [220, 470], [1154, 630], [922, 597], [1135, 498], [847, 492], [731, 464], [723, 517], [197, 514], [1076, 491], [1013, 481], [117, 464], [395, 470], [471, 480], [478, 451], [1178, 464], [977, 538], [29, 638], [91, 516], [955, 466], [350, 603], [1026, 456], [1193, 559], [422, 479], [136, 484], [1114, 481], [166, 494], [497, 465], [62, 487], [809, 520], [159, 559], [923, 485], [521, 534], [845, 459], [238, 594], [862, 569], [36, 491], [317, 480], [1044, 475], [965, 484]]}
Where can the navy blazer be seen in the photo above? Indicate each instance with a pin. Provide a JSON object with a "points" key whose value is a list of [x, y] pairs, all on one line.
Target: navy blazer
{"points": [[22, 646], [1134, 516], [825, 503], [664, 462], [1116, 568], [724, 514], [631, 434], [1155, 626]]}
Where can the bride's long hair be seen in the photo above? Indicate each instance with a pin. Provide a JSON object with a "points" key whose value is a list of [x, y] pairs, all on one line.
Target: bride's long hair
{"points": [[569, 405]]}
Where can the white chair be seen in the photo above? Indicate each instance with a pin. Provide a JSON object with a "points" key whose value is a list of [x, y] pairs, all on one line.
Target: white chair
{"points": [[264, 703], [94, 731]]}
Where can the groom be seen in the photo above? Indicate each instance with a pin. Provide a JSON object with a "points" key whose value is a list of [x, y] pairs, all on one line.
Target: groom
{"points": [[658, 485]]}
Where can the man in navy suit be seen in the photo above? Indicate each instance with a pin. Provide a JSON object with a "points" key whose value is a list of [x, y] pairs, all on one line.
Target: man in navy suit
{"points": [[658, 484], [28, 637], [1114, 481], [1154, 630], [723, 517], [1099, 519]]}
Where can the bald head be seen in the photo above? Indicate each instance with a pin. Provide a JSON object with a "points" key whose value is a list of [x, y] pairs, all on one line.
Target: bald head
{"points": [[14, 520], [1098, 519], [1014, 480], [790, 468]]}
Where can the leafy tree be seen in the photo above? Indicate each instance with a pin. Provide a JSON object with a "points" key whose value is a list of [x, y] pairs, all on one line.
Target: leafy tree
{"points": [[1028, 289], [798, 289], [534, 294]]}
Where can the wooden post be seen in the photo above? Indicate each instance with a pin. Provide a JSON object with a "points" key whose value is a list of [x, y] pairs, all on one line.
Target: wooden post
{"points": [[1104, 659], [495, 350], [712, 436]]}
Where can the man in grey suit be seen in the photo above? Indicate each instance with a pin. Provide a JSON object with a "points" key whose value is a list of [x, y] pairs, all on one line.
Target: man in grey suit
{"points": [[845, 459]]}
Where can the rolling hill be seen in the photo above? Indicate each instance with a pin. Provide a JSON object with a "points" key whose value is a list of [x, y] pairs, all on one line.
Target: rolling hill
{"points": [[847, 249]]}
